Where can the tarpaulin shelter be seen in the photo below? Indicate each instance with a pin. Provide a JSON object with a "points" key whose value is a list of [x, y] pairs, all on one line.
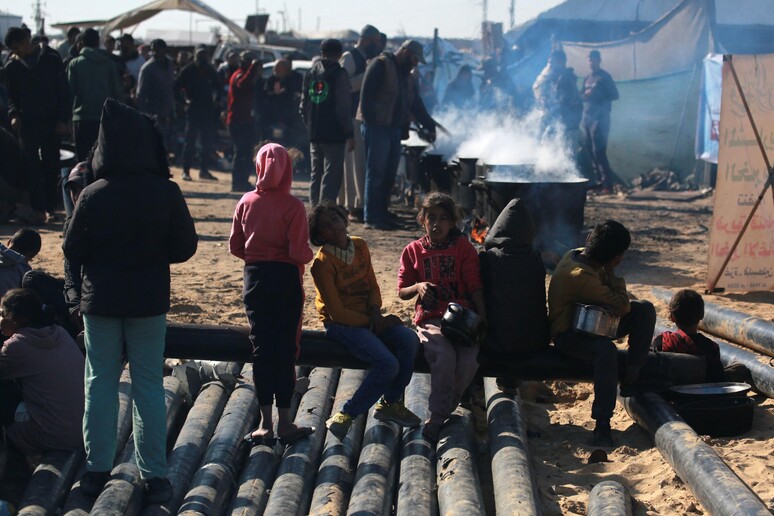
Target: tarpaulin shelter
{"points": [[654, 51]]}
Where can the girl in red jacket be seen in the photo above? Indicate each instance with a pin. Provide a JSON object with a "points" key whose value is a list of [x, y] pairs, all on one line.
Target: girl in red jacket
{"points": [[440, 268], [270, 234]]}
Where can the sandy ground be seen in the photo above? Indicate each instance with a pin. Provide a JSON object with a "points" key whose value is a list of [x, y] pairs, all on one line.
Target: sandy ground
{"points": [[669, 249]]}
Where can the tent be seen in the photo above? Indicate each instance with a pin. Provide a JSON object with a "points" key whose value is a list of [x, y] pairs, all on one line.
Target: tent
{"points": [[140, 14], [657, 65]]}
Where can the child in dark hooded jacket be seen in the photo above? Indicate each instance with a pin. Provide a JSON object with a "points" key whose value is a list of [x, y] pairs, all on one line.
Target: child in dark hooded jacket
{"points": [[41, 366], [514, 286], [271, 235]]}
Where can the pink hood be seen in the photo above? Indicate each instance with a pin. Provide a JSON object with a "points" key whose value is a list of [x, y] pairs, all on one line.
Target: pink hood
{"points": [[274, 169]]}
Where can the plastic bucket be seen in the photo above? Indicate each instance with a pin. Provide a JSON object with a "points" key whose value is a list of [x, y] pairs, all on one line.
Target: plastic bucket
{"points": [[719, 417]]}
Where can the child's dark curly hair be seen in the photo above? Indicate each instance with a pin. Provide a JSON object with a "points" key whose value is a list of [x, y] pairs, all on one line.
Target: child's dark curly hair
{"points": [[24, 308], [686, 307], [313, 219]]}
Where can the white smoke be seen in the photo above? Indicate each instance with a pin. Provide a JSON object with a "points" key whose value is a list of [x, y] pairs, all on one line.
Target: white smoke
{"points": [[503, 139]]}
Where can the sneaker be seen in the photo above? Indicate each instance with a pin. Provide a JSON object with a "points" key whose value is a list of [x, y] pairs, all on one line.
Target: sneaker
{"points": [[92, 482], [602, 436], [396, 412], [186, 177], [157, 490], [339, 425], [204, 175]]}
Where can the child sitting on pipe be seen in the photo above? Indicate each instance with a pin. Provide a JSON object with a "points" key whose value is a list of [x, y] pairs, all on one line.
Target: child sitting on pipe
{"points": [[440, 268], [686, 310], [587, 276], [41, 377], [349, 302]]}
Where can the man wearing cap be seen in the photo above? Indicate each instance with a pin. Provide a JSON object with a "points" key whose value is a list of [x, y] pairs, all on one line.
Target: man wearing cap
{"points": [[200, 85], [388, 100], [598, 93], [325, 107], [354, 62], [155, 94]]}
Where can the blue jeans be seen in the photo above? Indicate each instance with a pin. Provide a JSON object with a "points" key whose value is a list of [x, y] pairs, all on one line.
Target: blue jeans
{"points": [[382, 146], [144, 338], [391, 356]]}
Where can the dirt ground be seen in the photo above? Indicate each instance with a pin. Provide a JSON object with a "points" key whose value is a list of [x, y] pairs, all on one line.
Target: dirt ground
{"points": [[669, 250]]}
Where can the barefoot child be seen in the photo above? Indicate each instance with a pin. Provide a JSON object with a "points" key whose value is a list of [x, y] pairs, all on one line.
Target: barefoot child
{"points": [[270, 234], [349, 303], [440, 268]]}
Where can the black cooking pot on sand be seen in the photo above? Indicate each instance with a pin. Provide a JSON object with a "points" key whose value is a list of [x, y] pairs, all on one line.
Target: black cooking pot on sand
{"points": [[462, 326], [714, 409]]}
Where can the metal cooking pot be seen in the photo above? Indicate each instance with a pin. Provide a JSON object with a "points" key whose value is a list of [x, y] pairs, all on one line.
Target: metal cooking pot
{"points": [[462, 326], [702, 391], [595, 320], [437, 176]]}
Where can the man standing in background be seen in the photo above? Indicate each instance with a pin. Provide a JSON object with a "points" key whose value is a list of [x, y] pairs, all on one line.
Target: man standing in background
{"points": [[240, 121], [598, 93], [92, 77], [201, 85], [65, 46], [325, 106], [155, 93], [354, 62], [39, 110], [388, 102]]}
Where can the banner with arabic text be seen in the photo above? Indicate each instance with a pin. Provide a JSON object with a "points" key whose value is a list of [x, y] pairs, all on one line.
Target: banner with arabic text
{"points": [[741, 177]]}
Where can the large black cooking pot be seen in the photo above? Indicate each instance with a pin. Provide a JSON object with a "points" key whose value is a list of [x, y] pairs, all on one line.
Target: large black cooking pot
{"points": [[556, 206], [438, 177], [413, 156]]}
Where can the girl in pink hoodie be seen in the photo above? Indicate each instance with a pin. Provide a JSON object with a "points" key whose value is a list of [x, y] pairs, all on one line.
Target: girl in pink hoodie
{"points": [[271, 235]]}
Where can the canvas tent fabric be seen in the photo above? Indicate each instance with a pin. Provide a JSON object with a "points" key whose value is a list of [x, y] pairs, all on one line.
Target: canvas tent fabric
{"points": [[653, 52], [140, 14], [654, 121]]}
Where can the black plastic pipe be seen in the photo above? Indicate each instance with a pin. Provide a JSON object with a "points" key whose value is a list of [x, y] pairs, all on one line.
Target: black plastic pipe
{"points": [[459, 487], [338, 463], [609, 498], [743, 329], [416, 480], [375, 475], [123, 494], [714, 484], [515, 489], [50, 482], [762, 374], [192, 441], [229, 343], [212, 485], [293, 486], [255, 481]]}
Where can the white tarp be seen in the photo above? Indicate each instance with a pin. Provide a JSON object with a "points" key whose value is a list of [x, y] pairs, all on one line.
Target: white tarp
{"points": [[742, 175]]}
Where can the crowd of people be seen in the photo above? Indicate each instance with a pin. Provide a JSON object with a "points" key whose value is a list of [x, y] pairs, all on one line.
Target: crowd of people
{"points": [[130, 222]]}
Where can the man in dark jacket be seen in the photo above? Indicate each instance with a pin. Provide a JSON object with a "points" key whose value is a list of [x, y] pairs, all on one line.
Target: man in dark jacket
{"points": [[200, 83], [39, 112], [129, 225], [556, 94], [388, 99], [326, 108], [93, 77], [598, 93], [155, 93]]}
